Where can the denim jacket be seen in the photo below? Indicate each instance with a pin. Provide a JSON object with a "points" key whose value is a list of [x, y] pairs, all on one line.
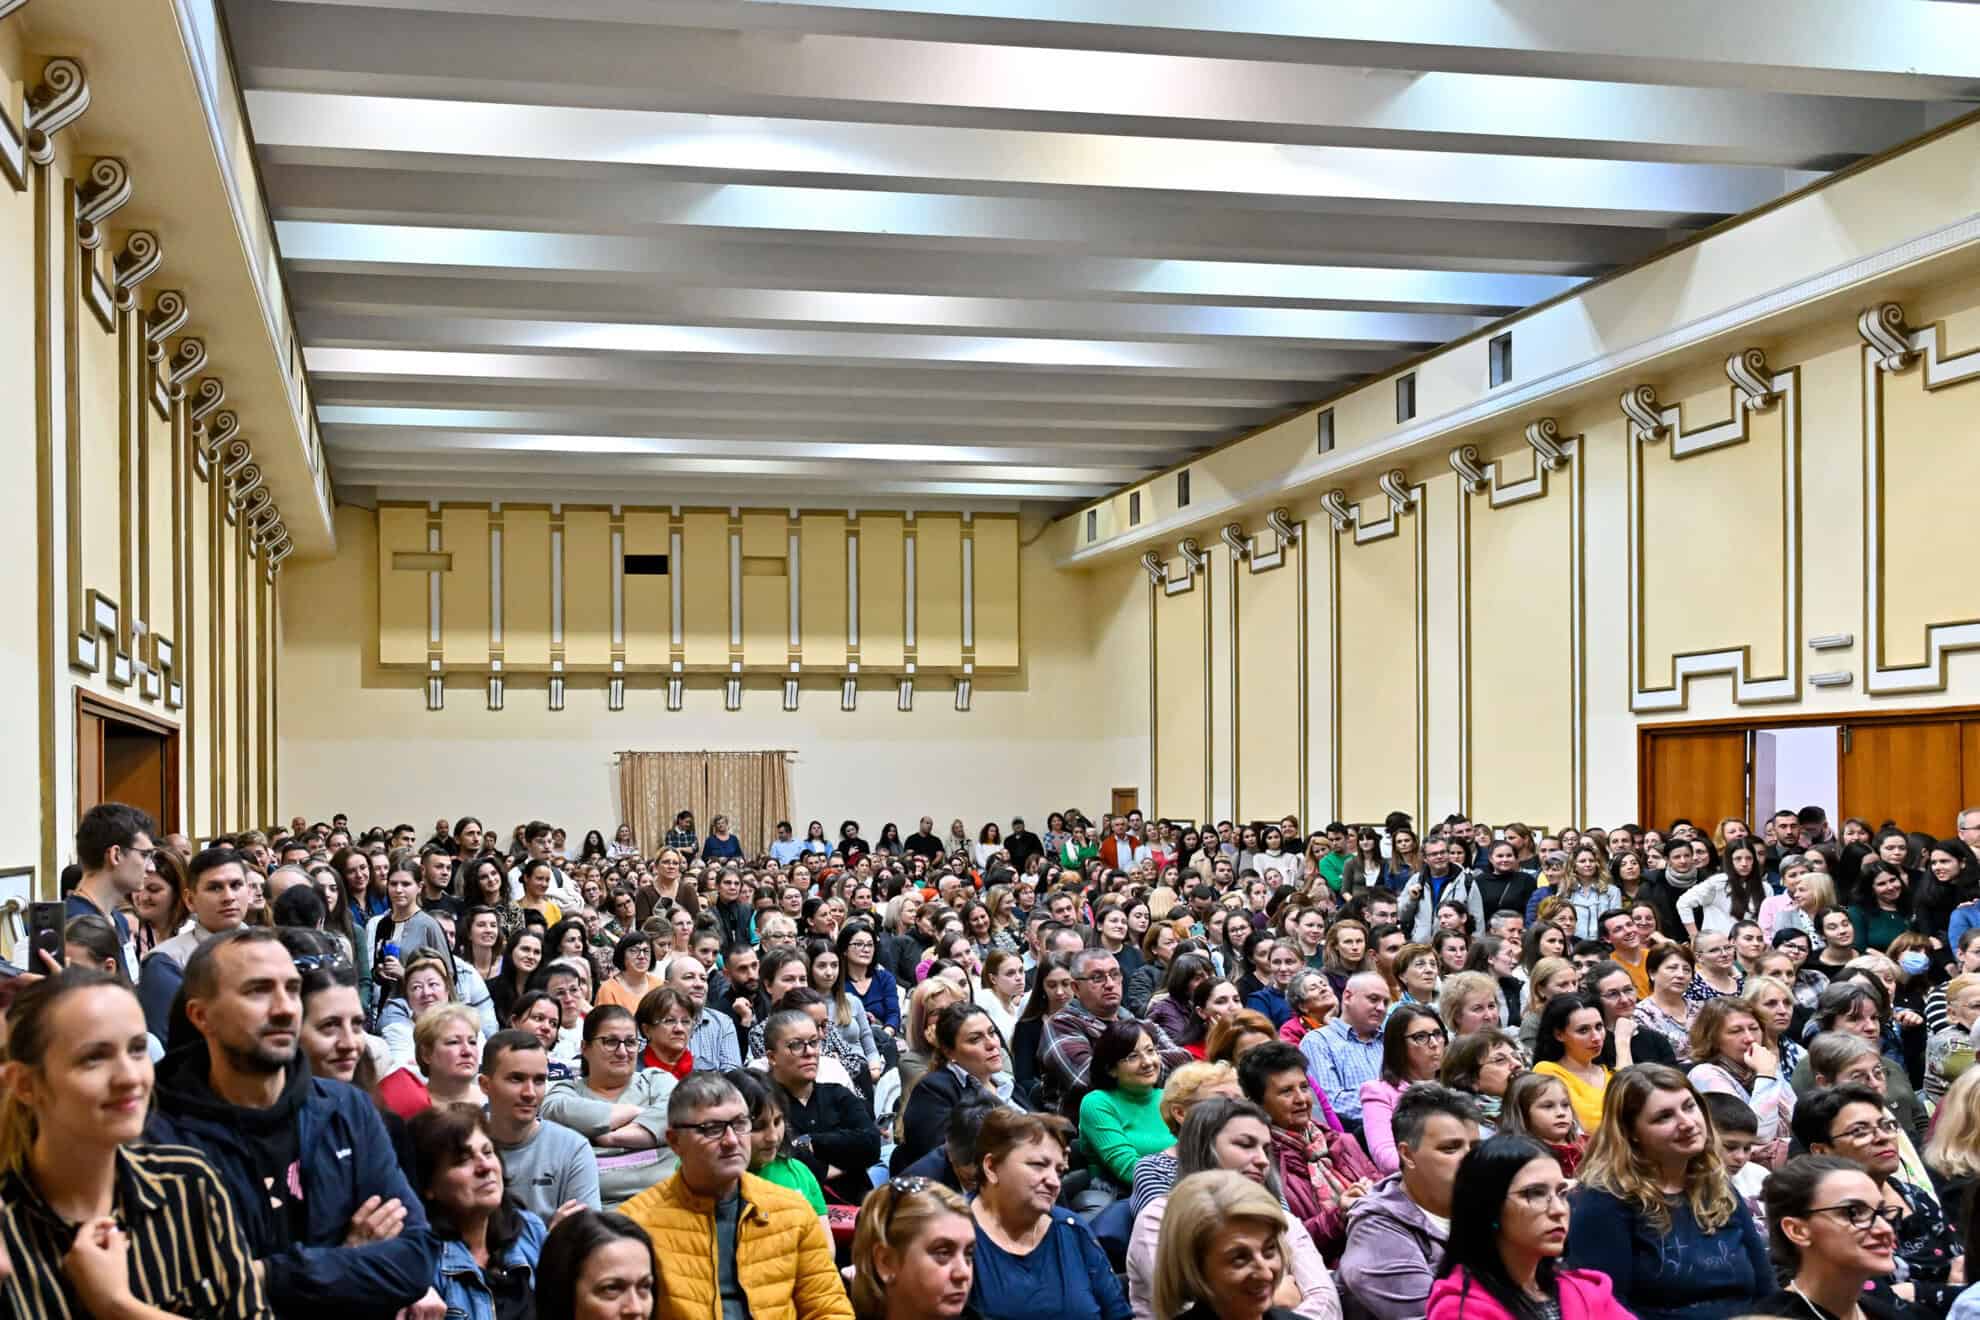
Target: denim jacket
{"points": [[459, 1280]]}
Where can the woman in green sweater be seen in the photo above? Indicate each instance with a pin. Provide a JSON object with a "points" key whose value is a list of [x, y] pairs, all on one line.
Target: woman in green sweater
{"points": [[1886, 912], [770, 1156], [1121, 1118]]}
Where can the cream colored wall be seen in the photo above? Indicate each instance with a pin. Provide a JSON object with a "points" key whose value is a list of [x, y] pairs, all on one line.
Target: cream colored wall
{"points": [[1531, 709], [358, 738], [105, 524]]}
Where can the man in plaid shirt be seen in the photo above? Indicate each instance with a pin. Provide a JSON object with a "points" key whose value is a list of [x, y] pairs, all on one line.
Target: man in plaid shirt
{"points": [[682, 838], [1348, 1051], [1065, 1048]]}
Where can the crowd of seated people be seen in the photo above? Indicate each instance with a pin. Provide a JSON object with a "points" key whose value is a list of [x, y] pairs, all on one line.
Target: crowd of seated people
{"points": [[1116, 1069]]}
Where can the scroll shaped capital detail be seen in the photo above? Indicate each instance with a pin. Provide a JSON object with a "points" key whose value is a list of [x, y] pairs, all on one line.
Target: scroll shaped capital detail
{"points": [[1233, 535], [1470, 470], [186, 362], [139, 261], [1158, 572], [1750, 374], [169, 314], [1883, 328], [1334, 504], [1282, 525], [52, 106], [1193, 554], [1545, 437], [207, 396], [1395, 484], [103, 193], [1646, 418]]}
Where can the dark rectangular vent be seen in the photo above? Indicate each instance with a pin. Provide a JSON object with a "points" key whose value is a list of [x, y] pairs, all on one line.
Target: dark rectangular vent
{"points": [[646, 566], [1405, 397], [1182, 489], [1500, 365], [1325, 426], [1134, 508]]}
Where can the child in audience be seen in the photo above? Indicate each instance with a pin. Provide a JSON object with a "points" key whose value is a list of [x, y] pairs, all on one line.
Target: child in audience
{"points": [[1739, 1128], [770, 1154], [1537, 1106]]}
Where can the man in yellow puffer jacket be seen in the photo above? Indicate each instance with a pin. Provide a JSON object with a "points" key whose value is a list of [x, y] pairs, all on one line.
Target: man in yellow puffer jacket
{"points": [[731, 1245]]}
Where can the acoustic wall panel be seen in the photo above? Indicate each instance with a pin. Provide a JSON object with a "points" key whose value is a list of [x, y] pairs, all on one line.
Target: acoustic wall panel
{"points": [[765, 589], [822, 596], [995, 591], [525, 587], [403, 593], [882, 591], [938, 593], [464, 604], [587, 587], [704, 574], [648, 597]]}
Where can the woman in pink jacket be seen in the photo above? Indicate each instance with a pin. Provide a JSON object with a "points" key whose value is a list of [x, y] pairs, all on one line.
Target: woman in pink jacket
{"points": [[1509, 1222]]}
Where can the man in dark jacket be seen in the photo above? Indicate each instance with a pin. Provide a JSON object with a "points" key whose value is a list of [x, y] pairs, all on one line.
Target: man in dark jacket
{"points": [[1021, 844], [331, 1221]]}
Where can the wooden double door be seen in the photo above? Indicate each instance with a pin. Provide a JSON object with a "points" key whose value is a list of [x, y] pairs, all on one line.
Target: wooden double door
{"points": [[1918, 769]]}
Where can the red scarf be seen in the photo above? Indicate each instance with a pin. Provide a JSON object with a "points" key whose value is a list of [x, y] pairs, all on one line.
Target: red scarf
{"points": [[680, 1067]]}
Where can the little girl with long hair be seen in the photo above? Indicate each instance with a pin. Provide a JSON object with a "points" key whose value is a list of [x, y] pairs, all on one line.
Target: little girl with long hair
{"points": [[1538, 1106]]}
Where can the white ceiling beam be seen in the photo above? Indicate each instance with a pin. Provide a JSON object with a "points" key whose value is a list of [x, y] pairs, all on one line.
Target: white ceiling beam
{"points": [[903, 313], [405, 53], [536, 408], [494, 255], [496, 334], [888, 378], [748, 486], [1889, 48], [1124, 462], [318, 126], [347, 189], [579, 462]]}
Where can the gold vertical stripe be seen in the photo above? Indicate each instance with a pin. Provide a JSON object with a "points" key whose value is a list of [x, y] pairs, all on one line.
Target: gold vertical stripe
{"points": [[73, 275], [44, 504]]}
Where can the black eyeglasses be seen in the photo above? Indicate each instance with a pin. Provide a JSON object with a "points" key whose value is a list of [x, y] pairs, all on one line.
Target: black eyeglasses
{"points": [[1860, 1215]]}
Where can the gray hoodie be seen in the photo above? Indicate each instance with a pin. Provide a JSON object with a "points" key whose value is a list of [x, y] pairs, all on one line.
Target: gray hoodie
{"points": [[1390, 1261]]}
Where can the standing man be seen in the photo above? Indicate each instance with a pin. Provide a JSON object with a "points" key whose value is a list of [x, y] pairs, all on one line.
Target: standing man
{"points": [[735, 1245], [785, 849], [333, 1225], [682, 838], [1416, 912], [113, 844], [923, 843], [216, 894], [1022, 845]]}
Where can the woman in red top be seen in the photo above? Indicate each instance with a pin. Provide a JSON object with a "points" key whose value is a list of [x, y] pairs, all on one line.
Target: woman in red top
{"points": [[666, 1019]]}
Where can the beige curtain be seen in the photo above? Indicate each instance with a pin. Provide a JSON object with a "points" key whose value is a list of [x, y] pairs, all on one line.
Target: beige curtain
{"points": [[753, 789]]}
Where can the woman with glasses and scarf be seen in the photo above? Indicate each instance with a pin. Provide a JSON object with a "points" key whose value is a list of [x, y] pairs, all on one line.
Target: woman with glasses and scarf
{"points": [[616, 1105]]}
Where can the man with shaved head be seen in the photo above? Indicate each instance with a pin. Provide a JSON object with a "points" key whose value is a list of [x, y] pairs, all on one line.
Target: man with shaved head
{"points": [[1348, 1050]]}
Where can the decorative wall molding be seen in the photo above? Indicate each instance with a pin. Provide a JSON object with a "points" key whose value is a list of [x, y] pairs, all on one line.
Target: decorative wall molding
{"points": [[1551, 451], [57, 102], [1403, 499], [105, 190], [1755, 388], [1891, 348], [1158, 572], [138, 262]]}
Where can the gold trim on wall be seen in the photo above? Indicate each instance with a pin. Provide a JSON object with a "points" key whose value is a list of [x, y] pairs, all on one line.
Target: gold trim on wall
{"points": [[1257, 563], [1893, 348], [1755, 388], [1403, 498], [1551, 452], [44, 506]]}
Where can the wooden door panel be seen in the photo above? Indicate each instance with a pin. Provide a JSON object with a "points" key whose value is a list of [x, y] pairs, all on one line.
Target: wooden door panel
{"points": [[89, 761], [1908, 773], [1699, 777], [134, 769]]}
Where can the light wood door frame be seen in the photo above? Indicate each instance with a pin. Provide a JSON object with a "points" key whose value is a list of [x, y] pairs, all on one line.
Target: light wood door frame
{"points": [[91, 709], [1843, 720]]}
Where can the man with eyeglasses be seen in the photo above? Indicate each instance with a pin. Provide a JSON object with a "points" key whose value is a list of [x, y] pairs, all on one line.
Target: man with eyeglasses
{"points": [[1396, 1234], [830, 1127], [1065, 1047], [113, 845], [1850, 1122], [712, 1039], [730, 1244], [1613, 989]]}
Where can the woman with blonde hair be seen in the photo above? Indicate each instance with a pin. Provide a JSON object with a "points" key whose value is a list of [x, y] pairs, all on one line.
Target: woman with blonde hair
{"points": [[1227, 1217], [913, 1253], [1656, 1210], [921, 1050], [1953, 1153], [1469, 1002], [1773, 1004], [1949, 1050], [1187, 1086], [1731, 1056], [446, 1061], [1549, 979]]}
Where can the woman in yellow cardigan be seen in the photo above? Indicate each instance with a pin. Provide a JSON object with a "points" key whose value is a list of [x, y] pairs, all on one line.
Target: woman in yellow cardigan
{"points": [[1570, 1037]]}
